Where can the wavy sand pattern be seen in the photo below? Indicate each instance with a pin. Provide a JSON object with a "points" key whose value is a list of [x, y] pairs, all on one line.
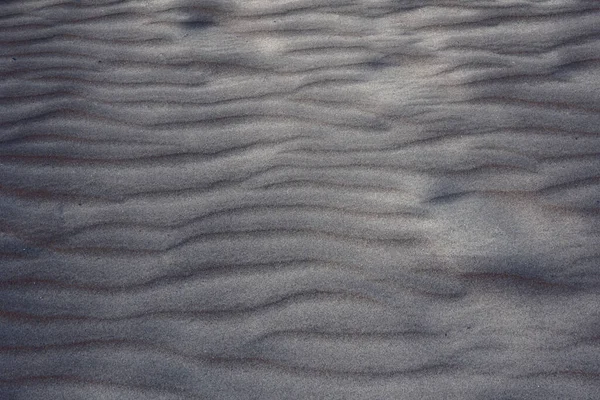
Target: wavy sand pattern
{"points": [[300, 199]]}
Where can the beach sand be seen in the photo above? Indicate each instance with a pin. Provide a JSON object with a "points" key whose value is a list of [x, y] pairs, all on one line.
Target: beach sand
{"points": [[300, 199]]}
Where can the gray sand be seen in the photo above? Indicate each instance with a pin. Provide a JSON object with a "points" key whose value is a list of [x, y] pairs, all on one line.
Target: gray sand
{"points": [[300, 199]]}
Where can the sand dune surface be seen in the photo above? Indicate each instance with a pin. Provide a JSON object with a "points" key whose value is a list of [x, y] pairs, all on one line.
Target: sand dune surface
{"points": [[300, 199]]}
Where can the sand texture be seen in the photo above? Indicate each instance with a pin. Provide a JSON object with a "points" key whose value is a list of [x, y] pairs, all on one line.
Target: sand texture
{"points": [[300, 199]]}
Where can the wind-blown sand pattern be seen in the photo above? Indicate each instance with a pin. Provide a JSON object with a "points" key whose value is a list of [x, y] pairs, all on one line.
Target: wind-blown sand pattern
{"points": [[300, 199]]}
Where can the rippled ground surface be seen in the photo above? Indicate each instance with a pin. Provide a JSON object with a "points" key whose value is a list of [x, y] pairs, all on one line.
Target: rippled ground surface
{"points": [[302, 199]]}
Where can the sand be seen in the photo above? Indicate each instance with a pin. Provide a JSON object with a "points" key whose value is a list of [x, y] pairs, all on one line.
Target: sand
{"points": [[300, 199]]}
